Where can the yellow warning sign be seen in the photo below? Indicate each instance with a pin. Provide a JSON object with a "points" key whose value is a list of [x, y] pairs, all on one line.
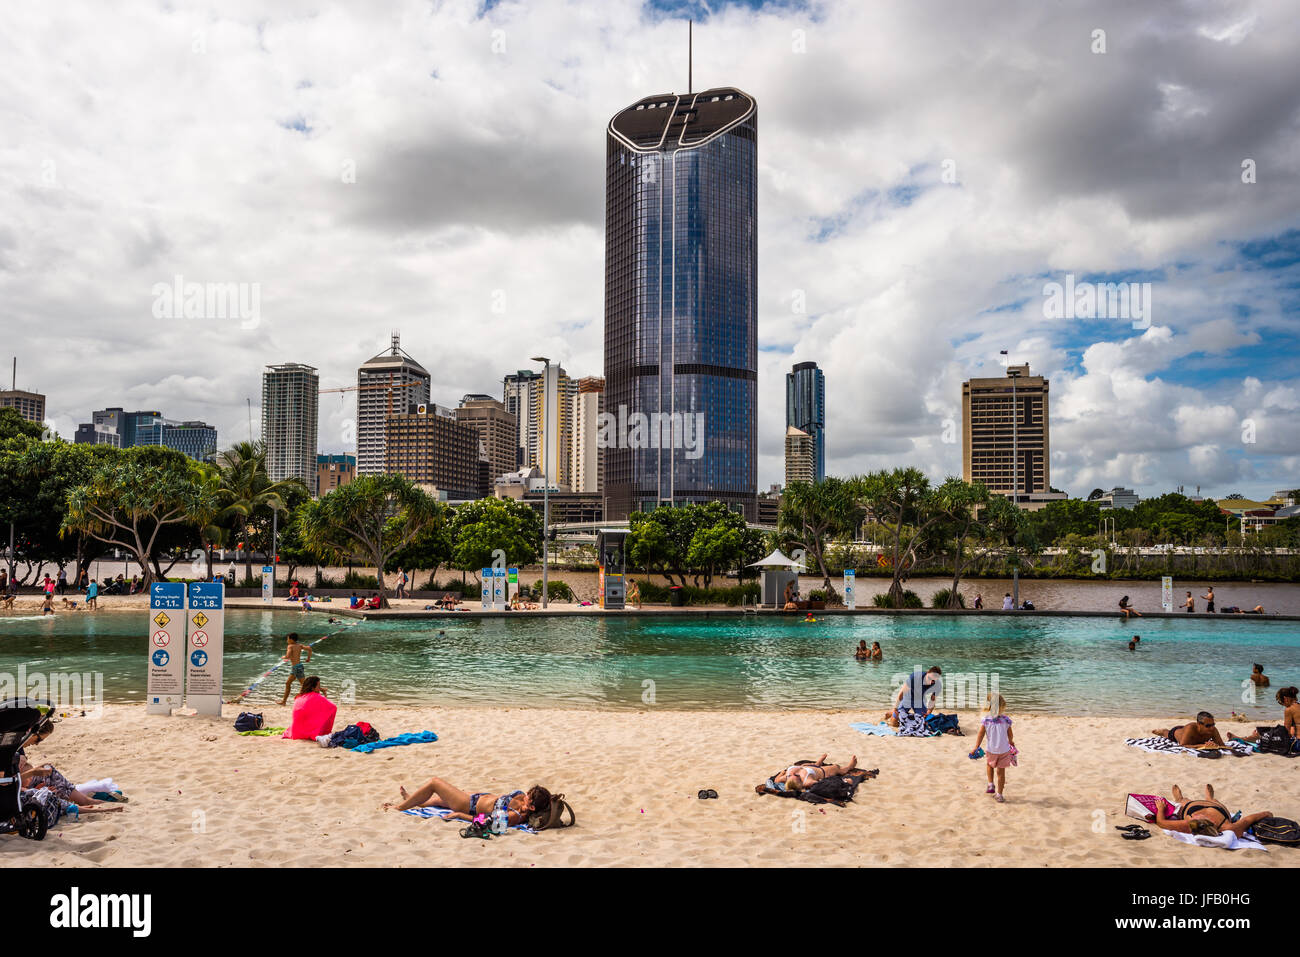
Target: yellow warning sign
{"points": [[200, 619], [161, 619]]}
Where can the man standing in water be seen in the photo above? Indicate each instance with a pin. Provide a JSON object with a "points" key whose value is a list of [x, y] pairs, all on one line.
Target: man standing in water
{"points": [[297, 668]]}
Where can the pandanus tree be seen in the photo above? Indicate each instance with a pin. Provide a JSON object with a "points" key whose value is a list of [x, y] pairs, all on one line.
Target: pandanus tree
{"points": [[902, 503], [813, 514], [961, 506], [370, 519]]}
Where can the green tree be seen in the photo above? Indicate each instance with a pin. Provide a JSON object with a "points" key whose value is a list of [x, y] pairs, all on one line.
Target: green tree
{"points": [[431, 549], [369, 519], [813, 514], [479, 528], [960, 505], [134, 499], [244, 487], [902, 503]]}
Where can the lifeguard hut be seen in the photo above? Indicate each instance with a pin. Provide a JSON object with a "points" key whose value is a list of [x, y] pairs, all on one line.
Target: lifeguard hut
{"points": [[777, 572], [612, 558]]}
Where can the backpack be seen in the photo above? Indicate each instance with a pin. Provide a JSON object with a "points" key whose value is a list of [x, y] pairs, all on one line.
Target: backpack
{"points": [[553, 816], [248, 722], [1274, 741], [837, 788], [1278, 830]]}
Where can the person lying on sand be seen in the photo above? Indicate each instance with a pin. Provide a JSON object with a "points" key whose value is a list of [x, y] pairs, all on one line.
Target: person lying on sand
{"points": [[800, 777], [466, 806], [46, 776], [1209, 817], [1194, 734]]}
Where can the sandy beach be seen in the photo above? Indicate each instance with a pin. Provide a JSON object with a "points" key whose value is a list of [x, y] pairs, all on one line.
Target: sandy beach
{"points": [[203, 796]]}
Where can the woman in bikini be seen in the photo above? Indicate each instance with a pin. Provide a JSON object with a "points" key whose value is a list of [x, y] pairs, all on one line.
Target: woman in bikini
{"points": [[800, 777], [466, 806], [1286, 697], [1209, 817]]}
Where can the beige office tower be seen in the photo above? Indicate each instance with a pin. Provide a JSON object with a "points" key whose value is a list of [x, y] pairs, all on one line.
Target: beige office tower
{"points": [[387, 385], [800, 456], [498, 432], [553, 398], [1000, 417], [30, 405], [585, 455]]}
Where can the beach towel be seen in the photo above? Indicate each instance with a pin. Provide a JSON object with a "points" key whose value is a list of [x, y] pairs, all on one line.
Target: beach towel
{"points": [[882, 729], [445, 812], [1165, 746], [313, 715], [912, 725], [261, 732], [1227, 840], [411, 737]]}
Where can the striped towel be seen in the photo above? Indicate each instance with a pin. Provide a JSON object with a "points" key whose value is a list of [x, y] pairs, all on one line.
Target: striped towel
{"points": [[445, 812], [1164, 745]]}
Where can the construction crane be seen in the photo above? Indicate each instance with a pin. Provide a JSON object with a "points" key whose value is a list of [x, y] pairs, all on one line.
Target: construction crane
{"points": [[390, 386]]}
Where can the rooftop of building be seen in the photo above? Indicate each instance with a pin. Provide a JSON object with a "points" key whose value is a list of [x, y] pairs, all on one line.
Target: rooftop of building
{"points": [[671, 121]]}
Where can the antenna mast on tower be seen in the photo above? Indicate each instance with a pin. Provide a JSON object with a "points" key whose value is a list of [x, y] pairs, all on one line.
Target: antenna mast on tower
{"points": [[690, 54]]}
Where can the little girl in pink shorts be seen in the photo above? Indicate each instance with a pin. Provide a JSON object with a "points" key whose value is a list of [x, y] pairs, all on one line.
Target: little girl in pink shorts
{"points": [[1001, 751]]}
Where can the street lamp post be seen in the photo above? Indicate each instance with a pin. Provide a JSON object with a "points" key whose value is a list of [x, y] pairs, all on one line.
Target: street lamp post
{"points": [[546, 487], [1015, 481]]}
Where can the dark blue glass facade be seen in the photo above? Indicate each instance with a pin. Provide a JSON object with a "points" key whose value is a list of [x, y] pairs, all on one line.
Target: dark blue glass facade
{"points": [[805, 409], [681, 299]]}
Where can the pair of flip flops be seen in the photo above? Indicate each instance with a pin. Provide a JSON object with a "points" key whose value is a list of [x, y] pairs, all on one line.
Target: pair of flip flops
{"points": [[707, 794], [1134, 832]]}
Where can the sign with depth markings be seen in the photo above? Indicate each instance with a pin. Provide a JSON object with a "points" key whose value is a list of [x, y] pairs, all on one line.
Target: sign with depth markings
{"points": [[164, 687], [204, 646]]}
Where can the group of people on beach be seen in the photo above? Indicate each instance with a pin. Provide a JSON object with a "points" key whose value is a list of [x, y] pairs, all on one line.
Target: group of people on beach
{"points": [[1127, 610]]}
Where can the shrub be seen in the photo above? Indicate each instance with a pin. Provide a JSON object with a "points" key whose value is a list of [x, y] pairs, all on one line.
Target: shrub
{"points": [[881, 600], [910, 600], [358, 581], [558, 591], [940, 599]]}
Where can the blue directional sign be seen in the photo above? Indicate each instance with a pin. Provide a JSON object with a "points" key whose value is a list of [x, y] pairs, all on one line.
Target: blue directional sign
{"points": [[167, 595], [209, 595]]}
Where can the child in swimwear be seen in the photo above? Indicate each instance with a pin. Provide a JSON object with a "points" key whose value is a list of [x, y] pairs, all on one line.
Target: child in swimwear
{"points": [[1001, 751], [298, 669]]}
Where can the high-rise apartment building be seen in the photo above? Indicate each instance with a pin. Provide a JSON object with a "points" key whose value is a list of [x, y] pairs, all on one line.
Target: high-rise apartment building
{"points": [[805, 410], [1005, 436], [428, 446], [334, 471], [585, 454], [290, 408], [498, 435], [681, 301], [800, 456], [518, 392], [387, 385]]}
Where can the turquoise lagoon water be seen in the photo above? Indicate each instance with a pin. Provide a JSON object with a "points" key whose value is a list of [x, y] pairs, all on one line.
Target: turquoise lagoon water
{"points": [[1070, 666]]}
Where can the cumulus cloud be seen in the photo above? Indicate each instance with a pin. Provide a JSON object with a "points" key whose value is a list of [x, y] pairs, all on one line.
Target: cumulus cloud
{"points": [[924, 169]]}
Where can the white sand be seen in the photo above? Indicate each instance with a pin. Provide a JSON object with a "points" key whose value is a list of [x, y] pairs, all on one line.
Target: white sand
{"points": [[201, 795]]}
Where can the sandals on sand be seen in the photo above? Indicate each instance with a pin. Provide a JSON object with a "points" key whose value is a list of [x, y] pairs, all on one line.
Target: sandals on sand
{"points": [[1134, 832], [707, 794]]}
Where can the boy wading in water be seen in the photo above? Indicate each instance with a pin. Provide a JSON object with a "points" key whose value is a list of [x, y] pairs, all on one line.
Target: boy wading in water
{"points": [[298, 668]]}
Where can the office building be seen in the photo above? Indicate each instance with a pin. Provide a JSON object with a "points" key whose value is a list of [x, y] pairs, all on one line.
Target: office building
{"points": [[387, 385], [290, 407], [124, 425], [334, 471], [432, 449], [1002, 416], [498, 435], [1119, 498], [681, 293], [196, 439], [805, 409], [800, 456], [89, 434], [30, 405]]}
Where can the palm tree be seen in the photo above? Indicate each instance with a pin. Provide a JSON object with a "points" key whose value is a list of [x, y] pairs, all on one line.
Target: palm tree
{"points": [[814, 513], [204, 515], [243, 487]]}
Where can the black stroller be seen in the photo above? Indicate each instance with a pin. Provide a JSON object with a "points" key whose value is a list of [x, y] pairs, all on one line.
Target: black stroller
{"points": [[18, 720]]}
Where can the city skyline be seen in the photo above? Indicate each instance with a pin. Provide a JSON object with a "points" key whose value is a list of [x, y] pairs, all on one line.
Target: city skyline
{"points": [[909, 228]]}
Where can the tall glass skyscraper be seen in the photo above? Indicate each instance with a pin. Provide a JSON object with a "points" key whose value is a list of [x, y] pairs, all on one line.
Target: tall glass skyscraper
{"points": [[681, 302], [805, 409]]}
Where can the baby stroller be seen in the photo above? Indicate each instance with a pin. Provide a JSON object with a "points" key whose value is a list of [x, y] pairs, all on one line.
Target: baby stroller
{"points": [[18, 720]]}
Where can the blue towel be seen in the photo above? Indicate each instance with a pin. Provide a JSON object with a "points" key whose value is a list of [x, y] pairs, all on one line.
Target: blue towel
{"points": [[443, 812], [881, 729], [411, 737]]}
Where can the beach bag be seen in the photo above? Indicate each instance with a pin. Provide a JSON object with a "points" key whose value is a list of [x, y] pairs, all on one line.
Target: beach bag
{"points": [[248, 721], [553, 816], [1278, 830], [1274, 741], [838, 788]]}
